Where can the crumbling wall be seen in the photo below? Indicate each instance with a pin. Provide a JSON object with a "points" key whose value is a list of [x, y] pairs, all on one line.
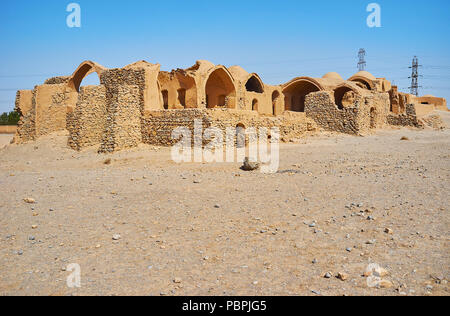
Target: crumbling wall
{"points": [[123, 118], [87, 122], [368, 112], [320, 107], [409, 118], [25, 106]]}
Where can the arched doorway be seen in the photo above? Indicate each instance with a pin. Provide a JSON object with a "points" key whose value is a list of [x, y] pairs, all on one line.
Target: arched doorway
{"points": [[295, 94], [255, 105], [220, 91], [275, 99]]}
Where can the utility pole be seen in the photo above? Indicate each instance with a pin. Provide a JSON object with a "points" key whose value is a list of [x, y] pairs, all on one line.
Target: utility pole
{"points": [[362, 61], [415, 77]]}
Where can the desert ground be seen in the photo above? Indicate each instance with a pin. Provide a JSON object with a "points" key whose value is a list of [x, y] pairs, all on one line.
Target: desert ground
{"points": [[337, 204]]}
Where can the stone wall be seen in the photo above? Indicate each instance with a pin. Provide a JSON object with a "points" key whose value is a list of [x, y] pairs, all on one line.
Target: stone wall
{"points": [[123, 118], [366, 113], [158, 125], [87, 122], [320, 107], [409, 118], [25, 106]]}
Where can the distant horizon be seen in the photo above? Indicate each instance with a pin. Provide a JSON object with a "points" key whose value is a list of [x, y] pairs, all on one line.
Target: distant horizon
{"points": [[279, 42]]}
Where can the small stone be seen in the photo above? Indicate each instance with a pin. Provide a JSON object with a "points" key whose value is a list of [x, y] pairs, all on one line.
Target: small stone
{"points": [[29, 200], [328, 275], [98, 246], [314, 261], [250, 166], [370, 218], [197, 181], [116, 237], [177, 280], [349, 249], [371, 242], [389, 231], [34, 226], [31, 238], [312, 225], [342, 276], [217, 206], [20, 252]]}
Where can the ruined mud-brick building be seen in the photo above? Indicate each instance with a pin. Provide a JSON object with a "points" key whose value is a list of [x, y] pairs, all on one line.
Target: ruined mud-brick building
{"points": [[142, 104]]}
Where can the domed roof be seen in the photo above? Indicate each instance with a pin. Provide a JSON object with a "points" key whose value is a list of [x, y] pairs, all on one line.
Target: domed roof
{"points": [[365, 74], [332, 75], [238, 72]]}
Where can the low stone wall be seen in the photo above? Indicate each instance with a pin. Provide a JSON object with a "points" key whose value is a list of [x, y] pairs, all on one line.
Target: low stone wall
{"points": [[409, 118], [8, 129], [86, 124], [157, 126]]}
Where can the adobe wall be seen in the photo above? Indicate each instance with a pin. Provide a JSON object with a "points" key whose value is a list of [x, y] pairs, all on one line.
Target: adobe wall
{"points": [[87, 122], [8, 129], [50, 103]]}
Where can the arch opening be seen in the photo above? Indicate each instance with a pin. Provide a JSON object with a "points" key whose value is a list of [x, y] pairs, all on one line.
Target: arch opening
{"points": [[220, 91], [275, 99], [362, 83], [84, 71], [165, 96], [295, 94], [254, 85], [344, 97], [255, 105], [182, 97]]}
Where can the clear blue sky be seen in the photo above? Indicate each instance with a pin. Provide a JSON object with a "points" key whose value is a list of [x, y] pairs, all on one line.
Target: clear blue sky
{"points": [[278, 39]]}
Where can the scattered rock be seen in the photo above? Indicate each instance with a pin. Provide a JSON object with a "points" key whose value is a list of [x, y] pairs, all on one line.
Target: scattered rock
{"points": [[107, 161], [250, 166], [342, 276], [177, 280], [389, 231], [404, 138], [34, 227], [20, 252], [116, 237], [328, 275], [29, 200]]}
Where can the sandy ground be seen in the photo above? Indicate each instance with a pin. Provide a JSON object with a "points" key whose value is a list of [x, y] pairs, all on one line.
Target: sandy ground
{"points": [[217, 230], [5, 139]]}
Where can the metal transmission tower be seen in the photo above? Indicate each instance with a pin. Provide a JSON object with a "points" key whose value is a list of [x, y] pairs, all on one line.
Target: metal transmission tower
{"points": [[415, 77], [362, 61]]}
